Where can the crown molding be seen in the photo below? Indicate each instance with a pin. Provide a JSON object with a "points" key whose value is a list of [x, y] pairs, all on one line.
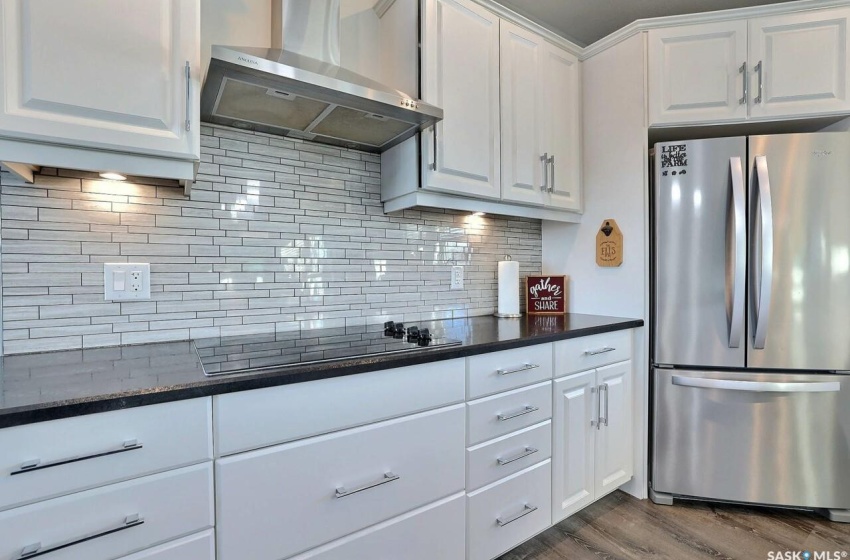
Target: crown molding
{"points": [[381, 7], [641, 25], [523, 21]]}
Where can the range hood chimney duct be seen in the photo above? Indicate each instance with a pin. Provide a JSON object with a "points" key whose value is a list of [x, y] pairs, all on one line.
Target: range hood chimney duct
{"points": [[307, 27]]}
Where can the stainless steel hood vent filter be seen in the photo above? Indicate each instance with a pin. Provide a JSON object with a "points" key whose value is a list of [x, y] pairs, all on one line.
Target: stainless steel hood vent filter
{"points": [[300, 90]]}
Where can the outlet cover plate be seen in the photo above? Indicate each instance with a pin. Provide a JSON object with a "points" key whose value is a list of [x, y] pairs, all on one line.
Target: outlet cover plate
{"points": [[126, 281], [457, 277]]}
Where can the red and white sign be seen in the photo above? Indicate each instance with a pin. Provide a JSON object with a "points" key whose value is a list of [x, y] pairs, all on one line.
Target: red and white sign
{"points": [[546, 295]]}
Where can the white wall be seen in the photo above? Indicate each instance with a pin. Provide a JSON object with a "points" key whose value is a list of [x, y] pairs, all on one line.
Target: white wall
{"points": [[615, 186], [247, 23]]}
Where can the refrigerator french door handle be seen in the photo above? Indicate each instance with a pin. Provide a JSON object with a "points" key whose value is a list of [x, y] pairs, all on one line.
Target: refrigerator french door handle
{"points": [[738, 262], [762, 292], [757, 386]]}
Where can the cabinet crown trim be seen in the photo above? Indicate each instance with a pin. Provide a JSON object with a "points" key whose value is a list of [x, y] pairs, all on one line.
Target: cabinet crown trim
{"points": [[509, 15], [641, 25]]}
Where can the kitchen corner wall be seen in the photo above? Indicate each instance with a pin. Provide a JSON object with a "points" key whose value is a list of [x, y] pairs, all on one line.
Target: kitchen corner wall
{"points": [[278, 234]]}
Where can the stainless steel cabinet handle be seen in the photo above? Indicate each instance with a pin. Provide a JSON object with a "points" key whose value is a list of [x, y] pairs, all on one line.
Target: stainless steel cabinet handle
{"points": [[599, 351], [598, 407], [743, 70], [188, 96], [525, 367], [757, 386], [760, 69], [603, 420], [528, 451], [552, 168], [433, 164], [501, 522], [523, 412], [544, 159], [736, 239], [341, 492], [37, 465], [34, 550], [764, 249]]}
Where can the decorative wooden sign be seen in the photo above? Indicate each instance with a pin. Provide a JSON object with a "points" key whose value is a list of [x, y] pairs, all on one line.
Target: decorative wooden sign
{"points": [[609, 244], [546, 295]]}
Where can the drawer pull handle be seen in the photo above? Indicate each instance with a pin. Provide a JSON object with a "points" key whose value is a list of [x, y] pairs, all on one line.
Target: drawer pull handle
{"points": [[37, 465], [525, 511], [525, 367], [528, 451], [341, 492], [35, 550], [599, 351], [523, 412]]}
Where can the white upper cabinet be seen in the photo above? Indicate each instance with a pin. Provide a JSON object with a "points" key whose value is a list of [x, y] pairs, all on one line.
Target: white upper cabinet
{"points": [[460, 73], [525, 167], [788, 65], [562, 127], [695, 73], [541, 122], [118, 75], [803, 63]]}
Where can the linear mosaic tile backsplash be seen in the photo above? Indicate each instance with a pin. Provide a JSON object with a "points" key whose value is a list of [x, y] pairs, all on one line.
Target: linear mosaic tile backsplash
{"points": [[278, 234]]}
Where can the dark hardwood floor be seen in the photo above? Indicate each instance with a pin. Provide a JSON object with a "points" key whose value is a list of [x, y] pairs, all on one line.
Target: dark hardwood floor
{"points": [[622, 527]]}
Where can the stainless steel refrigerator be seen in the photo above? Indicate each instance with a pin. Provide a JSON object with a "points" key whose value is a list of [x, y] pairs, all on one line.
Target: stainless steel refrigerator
{"points": [[751, 321]]}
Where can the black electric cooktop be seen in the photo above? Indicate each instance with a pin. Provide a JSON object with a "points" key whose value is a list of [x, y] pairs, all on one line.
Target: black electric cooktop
{"points": [[253, 353]]}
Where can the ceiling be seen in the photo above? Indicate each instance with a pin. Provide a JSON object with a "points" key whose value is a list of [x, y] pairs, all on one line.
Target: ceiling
{"points": [[587, 21]]}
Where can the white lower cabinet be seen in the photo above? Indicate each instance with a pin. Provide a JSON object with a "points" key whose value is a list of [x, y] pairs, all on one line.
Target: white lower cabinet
{"points": [[593, 449], [504, 514], [112, 521], [492, 460], [434, 532], [503, 413], [279, 501], [200, 546]]}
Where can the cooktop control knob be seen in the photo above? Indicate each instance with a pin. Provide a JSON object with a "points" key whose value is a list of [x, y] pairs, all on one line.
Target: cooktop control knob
{"points": [[389, 328], [399, 330], [424, 337]]}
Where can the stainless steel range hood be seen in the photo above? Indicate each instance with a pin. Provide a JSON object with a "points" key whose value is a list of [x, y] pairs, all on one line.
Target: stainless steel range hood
{"points": [[298, 89]]}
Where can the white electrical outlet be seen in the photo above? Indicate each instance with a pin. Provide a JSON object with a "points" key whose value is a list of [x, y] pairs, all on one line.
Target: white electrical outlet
{"points": [[126, 281], [457, 278]]}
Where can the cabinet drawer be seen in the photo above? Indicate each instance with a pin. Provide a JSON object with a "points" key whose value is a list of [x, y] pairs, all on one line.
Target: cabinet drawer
{"points": [[200, 546], [84, 452], [500, 414], [433, 532], [253, 419], [503, 515], [168, 505], [509, 369], [588, 352], [276, 502], [498, 458]]}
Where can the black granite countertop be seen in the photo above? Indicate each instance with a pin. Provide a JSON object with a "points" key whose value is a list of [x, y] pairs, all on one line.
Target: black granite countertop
{"points": [[52, 385]]}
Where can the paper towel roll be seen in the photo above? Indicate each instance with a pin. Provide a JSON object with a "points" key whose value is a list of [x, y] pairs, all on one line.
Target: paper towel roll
{"points": [[508, 288]]}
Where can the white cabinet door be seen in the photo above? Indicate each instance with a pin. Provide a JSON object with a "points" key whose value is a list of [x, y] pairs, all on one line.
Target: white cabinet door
{"points": [[460, 62], [562, 128], [572, 453], [803, 59], [523, 101], [695, 73], [614, 445], [108, 74]]}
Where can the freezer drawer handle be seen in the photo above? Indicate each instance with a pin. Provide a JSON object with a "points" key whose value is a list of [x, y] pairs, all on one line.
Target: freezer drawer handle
{"points": [[599, 351], [757, 386], [35, 550], [523, 412], [528, 451], [37, 465], [525, 511], [525, 367], [341, 492]]}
